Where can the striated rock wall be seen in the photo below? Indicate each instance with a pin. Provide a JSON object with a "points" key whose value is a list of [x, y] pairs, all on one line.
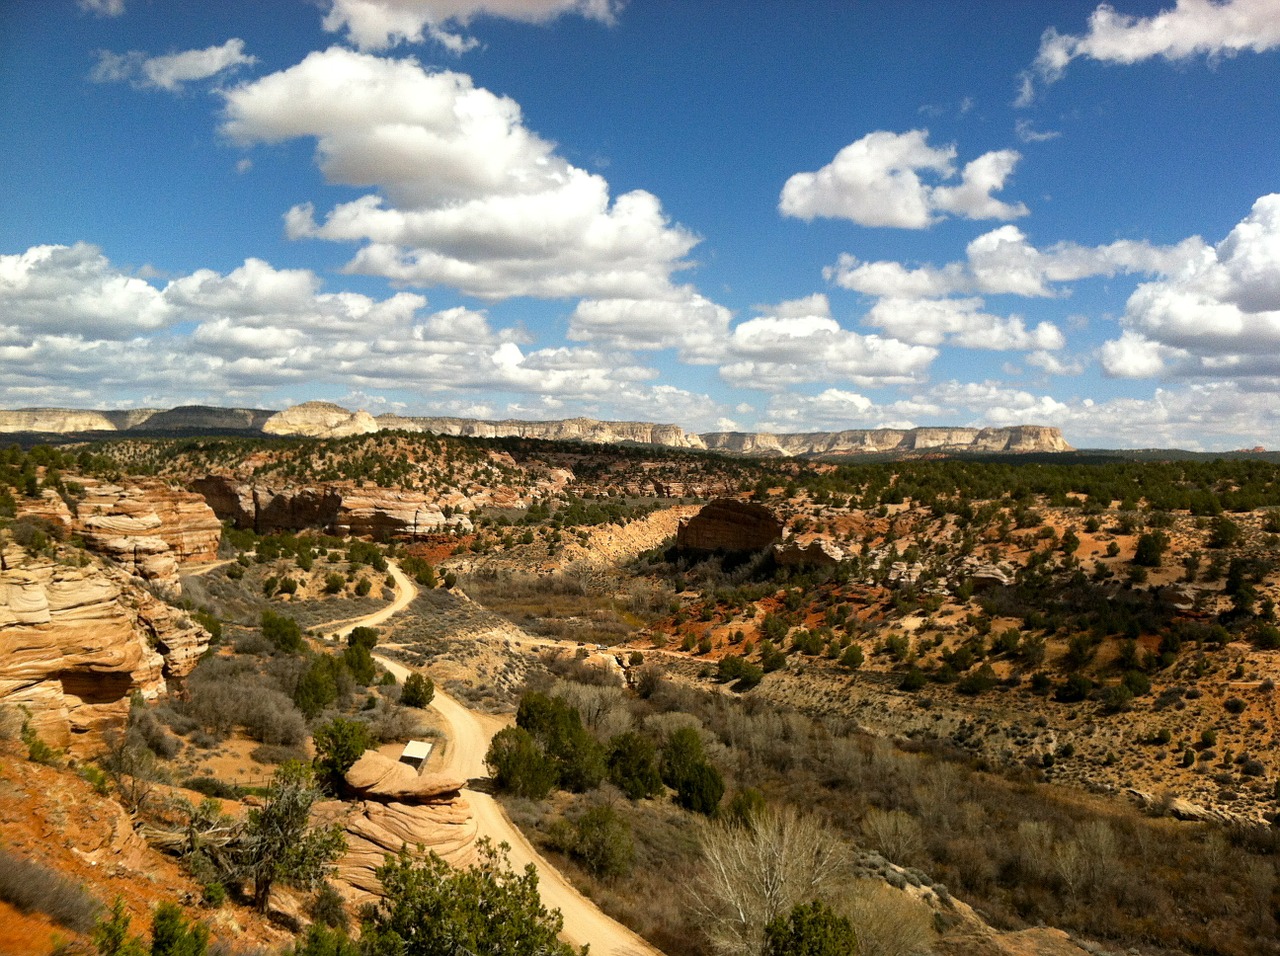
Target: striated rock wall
{"points": [[338, 508], [1018, 438], [394, 808], [61, 421], [147, 527], [729, 525], [76, 643]]}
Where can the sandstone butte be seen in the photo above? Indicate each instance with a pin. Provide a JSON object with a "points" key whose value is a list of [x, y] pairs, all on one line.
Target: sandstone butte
{"points": [[327, 420], [77, 642]]}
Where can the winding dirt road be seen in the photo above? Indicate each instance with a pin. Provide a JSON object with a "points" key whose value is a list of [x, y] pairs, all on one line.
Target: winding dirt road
{"points": [[468, 741]]}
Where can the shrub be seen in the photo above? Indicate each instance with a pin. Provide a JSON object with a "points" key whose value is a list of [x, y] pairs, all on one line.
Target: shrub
{"points": [[338, 745], [334, 582], [518, 765], [811, 929], [363, 587], [1234, 705], [282, 631], [31, 887], [418, 691], [364, 636], [701, 789], [602, 841], [633, 766]]}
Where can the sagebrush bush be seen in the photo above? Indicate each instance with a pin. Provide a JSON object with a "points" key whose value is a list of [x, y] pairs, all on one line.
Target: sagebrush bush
{"points": [[32, 887]]}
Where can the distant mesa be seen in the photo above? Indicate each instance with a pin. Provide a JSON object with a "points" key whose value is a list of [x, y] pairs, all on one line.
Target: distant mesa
{"points": [[327, 420], [730, 526]]}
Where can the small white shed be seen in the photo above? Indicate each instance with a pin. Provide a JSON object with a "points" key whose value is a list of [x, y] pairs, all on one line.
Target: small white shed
{"points": [[415, 754]]}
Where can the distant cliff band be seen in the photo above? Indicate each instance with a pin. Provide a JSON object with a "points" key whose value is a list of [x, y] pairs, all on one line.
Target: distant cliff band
{"points": [[326, 420]]}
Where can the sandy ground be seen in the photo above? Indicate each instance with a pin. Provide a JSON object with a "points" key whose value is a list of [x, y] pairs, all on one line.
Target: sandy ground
{"points": [[468, 734]]}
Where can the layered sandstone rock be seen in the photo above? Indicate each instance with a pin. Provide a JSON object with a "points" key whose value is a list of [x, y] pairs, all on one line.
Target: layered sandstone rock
{"points": [[76, 643], [730, 526], [320, 420], [338, 508], [148, 528], [1019, 438], [395, 808]]}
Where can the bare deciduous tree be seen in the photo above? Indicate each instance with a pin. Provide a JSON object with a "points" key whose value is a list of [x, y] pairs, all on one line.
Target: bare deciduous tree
{"points": [[758, 871]]}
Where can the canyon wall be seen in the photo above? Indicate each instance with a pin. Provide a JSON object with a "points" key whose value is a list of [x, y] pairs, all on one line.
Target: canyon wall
{"points": [[340, 508]]}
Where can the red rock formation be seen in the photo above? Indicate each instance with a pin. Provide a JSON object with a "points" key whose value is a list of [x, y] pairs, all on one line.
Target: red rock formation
{"points": [[731, 526]]}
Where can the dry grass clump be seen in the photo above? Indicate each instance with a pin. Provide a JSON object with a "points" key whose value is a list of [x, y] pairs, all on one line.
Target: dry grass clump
{"points": [[31, 887]]}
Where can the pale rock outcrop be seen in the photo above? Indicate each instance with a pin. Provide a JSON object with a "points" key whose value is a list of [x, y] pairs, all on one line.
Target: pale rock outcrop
{"points": [[320, 420], [569, 429], [338, 508], [148, 528], [817, 553], [54, 421], [396, 808], [1018, 438], [76, 642], [731, 526]]}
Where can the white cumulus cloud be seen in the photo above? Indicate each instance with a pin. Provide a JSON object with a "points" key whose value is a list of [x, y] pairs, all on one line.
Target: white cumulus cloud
{"points": [[171, 70], [103, 8], [1003, 261], [1211, 28], [469, 197], [959, 322], [799, 341], [378, 24], [1218, 316], [880, 180]]}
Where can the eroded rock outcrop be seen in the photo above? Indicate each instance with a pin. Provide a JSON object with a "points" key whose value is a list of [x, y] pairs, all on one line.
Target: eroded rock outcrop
{"points": [[320, 420], [730, 526], [77, 642], [818, 553], [394, 807], [148, 528], [337, 508]]}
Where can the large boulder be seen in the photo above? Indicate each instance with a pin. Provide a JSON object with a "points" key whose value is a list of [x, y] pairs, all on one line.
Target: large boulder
{"points": [[818, 553], [730, 526]]}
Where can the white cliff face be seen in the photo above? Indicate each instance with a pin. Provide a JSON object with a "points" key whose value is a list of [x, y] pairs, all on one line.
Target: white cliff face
{"points": [[320, 420], [569, 429], [1019, 438]]}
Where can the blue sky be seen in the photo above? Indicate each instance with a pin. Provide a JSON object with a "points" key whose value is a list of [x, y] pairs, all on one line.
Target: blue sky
{"points": [[728, 215]]}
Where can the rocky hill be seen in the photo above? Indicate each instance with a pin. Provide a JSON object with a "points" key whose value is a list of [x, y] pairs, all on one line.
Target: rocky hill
{"points": [[327, 420]]}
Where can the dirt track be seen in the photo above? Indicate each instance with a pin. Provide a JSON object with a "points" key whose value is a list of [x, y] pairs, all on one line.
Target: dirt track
{"points": [[468, 741]]}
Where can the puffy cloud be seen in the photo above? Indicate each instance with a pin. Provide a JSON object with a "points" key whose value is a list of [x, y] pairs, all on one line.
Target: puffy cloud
{"points": [[1213, 28], [75, 290], [1055, 364], [876, 181], [378, 24], [799, 341], [170, 71], [1002, 261], [471, 198], [687, 321], [1219, 315], [959, 322]]}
